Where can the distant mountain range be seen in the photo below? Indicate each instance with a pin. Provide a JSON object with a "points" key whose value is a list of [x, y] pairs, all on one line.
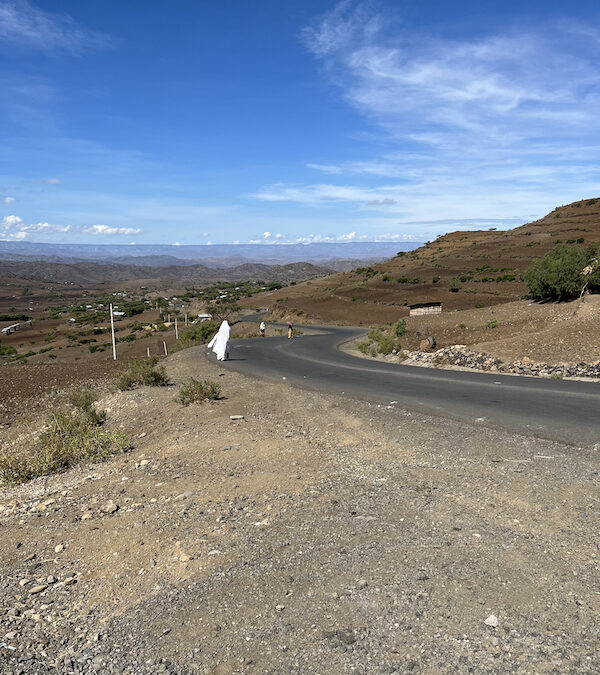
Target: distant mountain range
{"points": [[92, 273], [332, 255]]}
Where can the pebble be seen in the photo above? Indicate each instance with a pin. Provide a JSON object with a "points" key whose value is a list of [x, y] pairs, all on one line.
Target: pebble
{"points": [[491, 621], [233, 418], [110, 507], [38, 589], [59, 549]]}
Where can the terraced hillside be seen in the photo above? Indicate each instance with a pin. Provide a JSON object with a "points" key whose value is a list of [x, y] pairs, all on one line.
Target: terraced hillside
{"points": [[463, 270]]}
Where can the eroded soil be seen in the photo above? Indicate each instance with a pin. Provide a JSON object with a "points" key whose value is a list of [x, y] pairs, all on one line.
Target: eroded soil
{"points": [[318, 534]]}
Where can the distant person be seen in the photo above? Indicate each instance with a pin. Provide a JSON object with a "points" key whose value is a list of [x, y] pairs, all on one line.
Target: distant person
{"points": [[263, 328], [290, 330], [220, 343]]}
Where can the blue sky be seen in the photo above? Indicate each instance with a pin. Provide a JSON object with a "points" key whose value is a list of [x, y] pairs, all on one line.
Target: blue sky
{"points": [[280, 121]]}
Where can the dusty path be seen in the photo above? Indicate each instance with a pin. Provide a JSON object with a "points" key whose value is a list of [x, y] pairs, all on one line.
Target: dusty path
{"points": [[318, 535]]}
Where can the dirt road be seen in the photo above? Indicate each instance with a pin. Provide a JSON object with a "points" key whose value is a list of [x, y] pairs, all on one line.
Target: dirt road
{"points": [[317, 535]]}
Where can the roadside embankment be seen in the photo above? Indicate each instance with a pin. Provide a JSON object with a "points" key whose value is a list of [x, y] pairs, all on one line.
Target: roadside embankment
{"points": [[313, 533]]}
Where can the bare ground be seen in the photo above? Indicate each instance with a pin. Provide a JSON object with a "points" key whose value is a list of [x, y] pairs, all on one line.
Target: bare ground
{"points": [[318, 534]]}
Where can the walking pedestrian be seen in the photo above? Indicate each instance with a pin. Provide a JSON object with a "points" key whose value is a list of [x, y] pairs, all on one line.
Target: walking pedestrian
{"points": [[262, 329], [220, 343], [290, 330]]}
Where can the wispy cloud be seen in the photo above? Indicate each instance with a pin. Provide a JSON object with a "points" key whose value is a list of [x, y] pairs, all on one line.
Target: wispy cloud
{"points": [[24, 24], [8, 200], [493, 126], [270, 238], [14, 228], [108, 230]]}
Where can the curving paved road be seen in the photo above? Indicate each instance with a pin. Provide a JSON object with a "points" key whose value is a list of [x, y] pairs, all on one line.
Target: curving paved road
{"points": [[561, 410]]}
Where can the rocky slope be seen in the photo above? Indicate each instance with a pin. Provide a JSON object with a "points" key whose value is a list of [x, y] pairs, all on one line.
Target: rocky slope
{"points": [[316, 534]]}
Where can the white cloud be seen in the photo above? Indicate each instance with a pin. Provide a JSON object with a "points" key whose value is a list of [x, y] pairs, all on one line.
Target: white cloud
{"points": [[50, 181], [8, 200], [13, 227], [11, 221], [45, 227], [26, 25], [498, 125], [111, 231]]}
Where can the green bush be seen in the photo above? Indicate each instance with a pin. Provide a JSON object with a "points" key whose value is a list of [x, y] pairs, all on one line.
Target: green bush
{"points": [[387, 344], [492, 324], [143, 371], [363, 346], [193, 391], [435, 280], [400, 327], [196, 334], [558, 275]]}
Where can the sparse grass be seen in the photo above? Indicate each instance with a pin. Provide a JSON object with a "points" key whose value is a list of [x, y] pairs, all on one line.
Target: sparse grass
{"points": [[194, 391], [556, 376], [72, 435], [7, 350], [143, 371], [492, 324]]}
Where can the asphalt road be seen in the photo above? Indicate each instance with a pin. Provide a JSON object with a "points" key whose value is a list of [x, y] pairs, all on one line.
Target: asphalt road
{"points": [[562, 410]]}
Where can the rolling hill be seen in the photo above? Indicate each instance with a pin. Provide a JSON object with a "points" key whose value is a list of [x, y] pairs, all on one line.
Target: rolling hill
{"points": [[484, 268]]}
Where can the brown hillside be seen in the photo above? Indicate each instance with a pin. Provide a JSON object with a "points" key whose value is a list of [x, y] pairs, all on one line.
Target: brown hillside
{"points": [[488, 265]]}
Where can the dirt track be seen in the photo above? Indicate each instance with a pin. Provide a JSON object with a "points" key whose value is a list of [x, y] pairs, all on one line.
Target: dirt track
{"points": [[318, 534]]}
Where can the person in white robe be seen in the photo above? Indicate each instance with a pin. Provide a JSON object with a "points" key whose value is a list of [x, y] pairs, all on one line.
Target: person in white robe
{"points": [[220, 343]]}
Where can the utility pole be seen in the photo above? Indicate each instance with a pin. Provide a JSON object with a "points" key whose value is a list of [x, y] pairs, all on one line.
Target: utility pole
{"points": [[176, 331], [112, 330]]}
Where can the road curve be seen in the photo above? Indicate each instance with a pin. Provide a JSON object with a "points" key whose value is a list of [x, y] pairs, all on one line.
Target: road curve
{"points": [[561, 410]]}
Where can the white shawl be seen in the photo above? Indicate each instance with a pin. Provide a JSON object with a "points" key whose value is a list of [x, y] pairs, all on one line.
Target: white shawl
{"points": [[219, 343]]}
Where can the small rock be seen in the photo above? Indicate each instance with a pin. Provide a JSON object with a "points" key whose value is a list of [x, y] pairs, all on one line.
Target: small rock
{"points": [[69, 580], [233, 418], [110, 507], [144, 462], [59, 549], [491, 621], [50, 579], [280, 608], [227, 447], [38, 589], [142, 435], [362, 584]]}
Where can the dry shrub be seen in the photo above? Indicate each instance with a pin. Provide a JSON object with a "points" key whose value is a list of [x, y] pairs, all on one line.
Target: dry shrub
{"points": [[193, 391], [70, 436], [143, 371]]}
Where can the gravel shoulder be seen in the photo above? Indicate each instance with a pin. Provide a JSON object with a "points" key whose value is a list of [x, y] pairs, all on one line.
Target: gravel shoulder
{"points": [[316, 534]]}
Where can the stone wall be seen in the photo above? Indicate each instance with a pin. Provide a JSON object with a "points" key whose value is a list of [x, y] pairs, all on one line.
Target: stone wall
{"points": [[461, 355]]}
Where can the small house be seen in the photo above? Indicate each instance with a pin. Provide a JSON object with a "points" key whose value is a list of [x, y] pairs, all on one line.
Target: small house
{"points": [[421, 308]]}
